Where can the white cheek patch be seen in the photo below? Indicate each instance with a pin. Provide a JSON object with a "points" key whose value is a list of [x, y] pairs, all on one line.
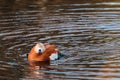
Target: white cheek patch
{"points": [[38, 47], [37, 50], [54, 56]]}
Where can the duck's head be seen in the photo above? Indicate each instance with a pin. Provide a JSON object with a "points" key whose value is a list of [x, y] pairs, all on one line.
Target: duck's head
{"points": [[43, 52]]}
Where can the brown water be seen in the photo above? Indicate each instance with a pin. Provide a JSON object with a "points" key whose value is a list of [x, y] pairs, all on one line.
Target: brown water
{"points": [[86, 31]]}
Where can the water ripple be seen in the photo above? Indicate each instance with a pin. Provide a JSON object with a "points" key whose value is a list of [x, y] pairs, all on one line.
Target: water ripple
{"points": [[87, 32]]}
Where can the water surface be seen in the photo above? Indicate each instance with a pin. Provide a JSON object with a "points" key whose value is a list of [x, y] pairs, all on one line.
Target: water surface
{"points": [[87, 32]]}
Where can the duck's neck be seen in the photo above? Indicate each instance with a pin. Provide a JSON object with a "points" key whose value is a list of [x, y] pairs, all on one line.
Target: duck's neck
{"points": [[32, 55]]}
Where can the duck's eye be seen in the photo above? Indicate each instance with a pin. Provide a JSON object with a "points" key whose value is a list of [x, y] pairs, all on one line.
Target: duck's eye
{"points": [[39, 50]]}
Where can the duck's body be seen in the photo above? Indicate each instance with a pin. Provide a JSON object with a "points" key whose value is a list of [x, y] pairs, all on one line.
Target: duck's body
{"points": [[43, 52]]}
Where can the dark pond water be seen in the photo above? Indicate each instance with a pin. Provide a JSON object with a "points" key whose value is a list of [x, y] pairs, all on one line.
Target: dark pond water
{"points": [[86, 31]]}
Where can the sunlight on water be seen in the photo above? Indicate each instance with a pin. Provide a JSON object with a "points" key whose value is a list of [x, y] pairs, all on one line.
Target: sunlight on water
{"points": [[86, 32]]}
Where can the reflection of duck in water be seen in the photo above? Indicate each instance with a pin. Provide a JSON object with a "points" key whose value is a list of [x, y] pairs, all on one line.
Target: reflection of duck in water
{"points": [[43, 53]]}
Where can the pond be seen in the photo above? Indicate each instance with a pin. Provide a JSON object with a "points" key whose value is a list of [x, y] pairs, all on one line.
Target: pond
{"points": [[87, 32]]}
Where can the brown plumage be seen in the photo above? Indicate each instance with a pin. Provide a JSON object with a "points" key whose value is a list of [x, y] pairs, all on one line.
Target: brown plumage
{"points": [[42, 52]]}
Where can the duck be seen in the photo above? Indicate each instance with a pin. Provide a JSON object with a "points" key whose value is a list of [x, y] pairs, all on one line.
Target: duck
{"points": [[44, 52]]}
